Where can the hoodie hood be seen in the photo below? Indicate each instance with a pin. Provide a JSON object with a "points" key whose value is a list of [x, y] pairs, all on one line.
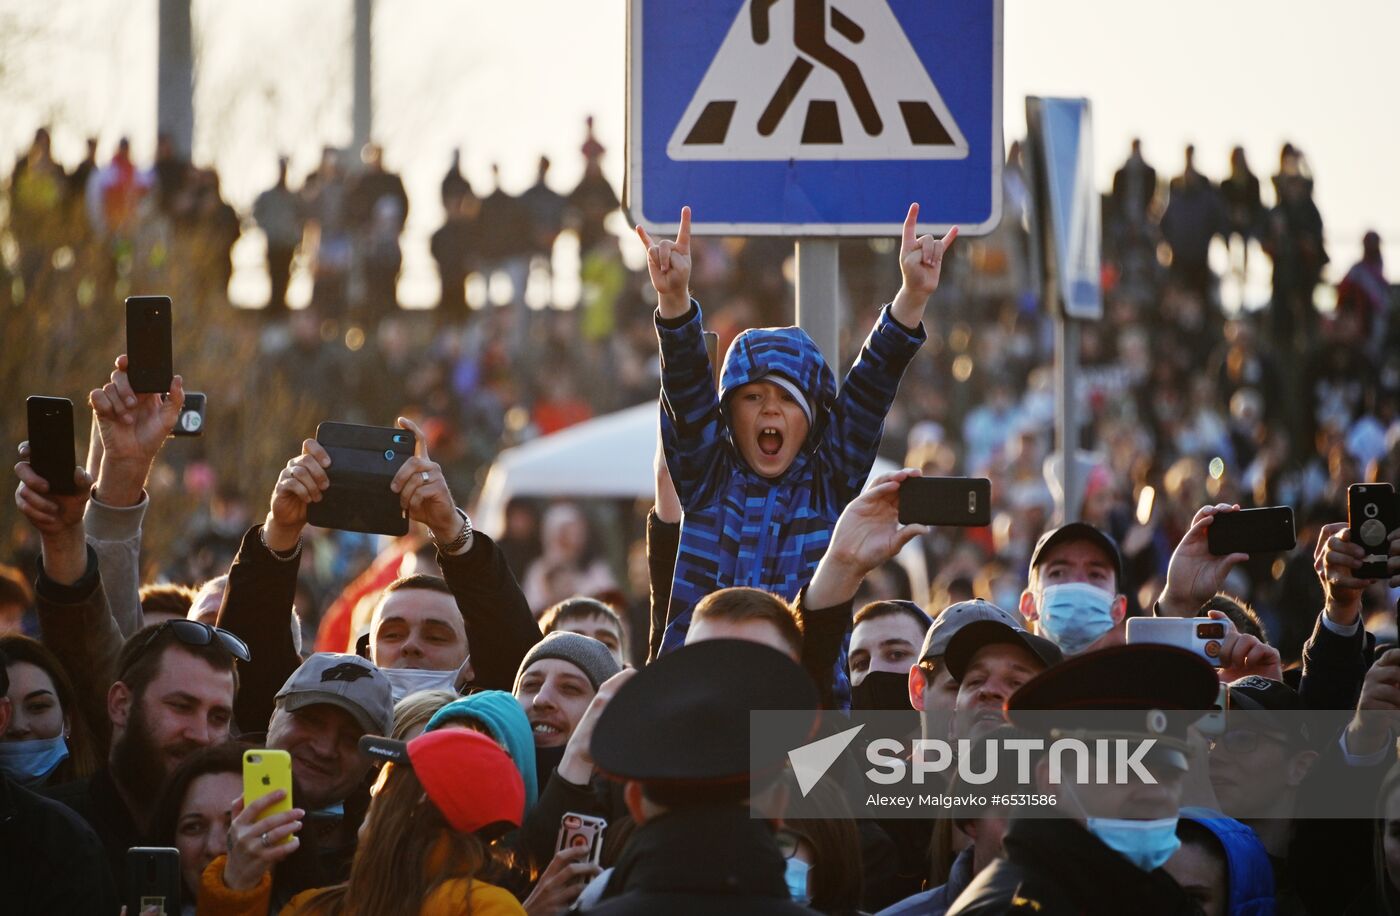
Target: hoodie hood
{"points": [[789, 354], [500, 714], [1251, 876]]}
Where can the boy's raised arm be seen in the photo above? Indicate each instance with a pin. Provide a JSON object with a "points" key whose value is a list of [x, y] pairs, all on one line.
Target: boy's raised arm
{"points": [[691, 422], [852, 435]]}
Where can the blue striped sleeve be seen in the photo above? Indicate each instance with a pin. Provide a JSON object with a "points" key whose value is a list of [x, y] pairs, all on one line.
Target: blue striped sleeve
{"points": [[692, 427], [852, 436]]}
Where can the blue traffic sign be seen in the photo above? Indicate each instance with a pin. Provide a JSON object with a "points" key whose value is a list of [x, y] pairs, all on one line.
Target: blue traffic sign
{"points": [[814, 117]]}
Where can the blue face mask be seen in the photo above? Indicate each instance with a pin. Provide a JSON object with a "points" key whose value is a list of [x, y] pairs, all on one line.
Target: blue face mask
{"points": [[1075, 614], [29, 762], [1146, 844], [797, 880]]}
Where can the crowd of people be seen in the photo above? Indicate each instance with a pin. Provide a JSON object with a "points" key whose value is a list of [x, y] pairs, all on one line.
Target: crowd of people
{"points": [[447, 699]]}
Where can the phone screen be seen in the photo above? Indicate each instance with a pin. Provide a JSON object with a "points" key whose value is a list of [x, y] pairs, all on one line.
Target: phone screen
{"points": [[150, 364]]}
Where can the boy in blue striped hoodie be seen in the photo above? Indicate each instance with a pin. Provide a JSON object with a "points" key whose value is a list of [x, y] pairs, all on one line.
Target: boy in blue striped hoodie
{"points": [[764, 467]]}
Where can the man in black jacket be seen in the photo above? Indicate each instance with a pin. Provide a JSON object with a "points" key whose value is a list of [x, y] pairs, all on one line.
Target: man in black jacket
{"points": [[472, 626], [697, 847], [1102, 850], [44, 846]]}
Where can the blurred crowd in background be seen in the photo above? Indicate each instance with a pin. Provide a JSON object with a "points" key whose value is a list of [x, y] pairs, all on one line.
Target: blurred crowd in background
{"points": [[1193, 394]]}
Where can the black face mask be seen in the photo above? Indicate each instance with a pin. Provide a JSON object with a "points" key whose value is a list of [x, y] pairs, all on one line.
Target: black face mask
{"points": [[882, 690], [546, 759]]}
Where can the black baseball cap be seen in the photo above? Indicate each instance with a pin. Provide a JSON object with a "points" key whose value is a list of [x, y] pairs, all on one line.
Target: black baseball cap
{"points": [[974, 636], [1080, 531], [1270, 703], [684, 719]]}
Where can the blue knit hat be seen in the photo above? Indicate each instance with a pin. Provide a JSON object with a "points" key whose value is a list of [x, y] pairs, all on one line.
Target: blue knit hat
{"points": [[500, 714]]}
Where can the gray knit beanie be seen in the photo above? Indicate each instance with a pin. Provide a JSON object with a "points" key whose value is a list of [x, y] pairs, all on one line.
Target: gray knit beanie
{"points": [[591, 657]]}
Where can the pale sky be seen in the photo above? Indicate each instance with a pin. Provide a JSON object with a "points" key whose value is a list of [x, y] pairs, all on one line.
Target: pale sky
{"points": [[510, 80]]}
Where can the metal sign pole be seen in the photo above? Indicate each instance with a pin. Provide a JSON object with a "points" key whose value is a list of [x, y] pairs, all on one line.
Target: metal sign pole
{"points": [[818, 297], [175, 75], [1067, 414], [362, 102]]}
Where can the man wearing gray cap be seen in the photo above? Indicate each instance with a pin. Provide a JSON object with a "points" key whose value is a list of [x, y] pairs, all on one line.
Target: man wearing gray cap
{"points": [[318, 717], [932, 687]]}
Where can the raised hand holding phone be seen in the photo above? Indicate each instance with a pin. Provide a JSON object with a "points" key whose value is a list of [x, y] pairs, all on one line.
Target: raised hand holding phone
{"points": [[302, 482], [132, 426], [1195, 572], [423, 491]]}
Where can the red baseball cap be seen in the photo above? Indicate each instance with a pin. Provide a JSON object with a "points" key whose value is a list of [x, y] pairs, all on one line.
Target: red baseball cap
{"points": [[467, 776]]}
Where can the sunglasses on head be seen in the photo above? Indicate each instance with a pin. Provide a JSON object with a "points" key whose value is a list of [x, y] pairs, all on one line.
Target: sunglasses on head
{"points": [[193, 633]]}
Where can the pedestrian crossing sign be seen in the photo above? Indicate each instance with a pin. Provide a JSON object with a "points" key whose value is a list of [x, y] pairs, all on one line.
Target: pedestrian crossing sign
{"points": [[814, 117]]}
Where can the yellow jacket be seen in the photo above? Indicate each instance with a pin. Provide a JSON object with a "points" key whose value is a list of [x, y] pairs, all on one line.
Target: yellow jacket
{"points": [[455, 897]]}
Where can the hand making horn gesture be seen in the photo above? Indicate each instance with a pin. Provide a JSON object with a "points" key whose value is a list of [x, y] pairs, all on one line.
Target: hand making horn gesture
{"points": [[669, 265], [921, 264]]}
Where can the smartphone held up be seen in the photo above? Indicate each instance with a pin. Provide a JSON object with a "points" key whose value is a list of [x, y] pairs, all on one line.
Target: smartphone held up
{"points": [[51, 449], [150, 361], [364, 461]]}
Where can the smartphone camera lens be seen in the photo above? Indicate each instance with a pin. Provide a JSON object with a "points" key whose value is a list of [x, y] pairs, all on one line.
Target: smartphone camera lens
{"points": [[389, 455]]}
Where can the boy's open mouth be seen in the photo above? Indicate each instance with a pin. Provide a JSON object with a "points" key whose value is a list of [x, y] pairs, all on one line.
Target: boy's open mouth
{"points": [[770, 441]]}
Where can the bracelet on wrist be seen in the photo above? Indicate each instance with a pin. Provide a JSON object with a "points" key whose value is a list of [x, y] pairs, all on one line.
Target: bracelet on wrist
{"points": [[286, 555], [464, 534]]}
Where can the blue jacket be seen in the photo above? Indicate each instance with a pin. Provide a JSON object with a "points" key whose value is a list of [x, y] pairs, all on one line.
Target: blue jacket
{"points": [[1251, 876], [740, 528]]}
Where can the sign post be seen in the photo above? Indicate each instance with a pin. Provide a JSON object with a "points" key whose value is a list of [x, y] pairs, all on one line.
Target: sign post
{"points": [[814, 120], [1067, 223], [819, 297]]}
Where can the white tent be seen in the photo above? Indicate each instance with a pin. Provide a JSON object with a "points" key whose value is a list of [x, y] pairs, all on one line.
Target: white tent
{"points": [[609, 458]]}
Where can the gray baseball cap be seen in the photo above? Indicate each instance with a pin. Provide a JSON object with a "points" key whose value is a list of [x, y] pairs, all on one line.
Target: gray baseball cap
{"points": [[957, 616], [353, 683]]}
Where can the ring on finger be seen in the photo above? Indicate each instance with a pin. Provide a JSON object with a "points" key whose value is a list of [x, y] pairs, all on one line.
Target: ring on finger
{"points": [[266, 844], [426, 476]]}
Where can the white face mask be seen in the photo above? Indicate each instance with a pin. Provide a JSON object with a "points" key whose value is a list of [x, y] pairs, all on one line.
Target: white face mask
{"points": [[404, 681]]}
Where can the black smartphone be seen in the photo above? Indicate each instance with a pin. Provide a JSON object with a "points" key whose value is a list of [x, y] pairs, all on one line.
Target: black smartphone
{"points": [[964, 502], [364, 460], [150, 363], [153, 879], [51, 451], [712, 348], [191, 422], [1252, 531], [1373, 511]]}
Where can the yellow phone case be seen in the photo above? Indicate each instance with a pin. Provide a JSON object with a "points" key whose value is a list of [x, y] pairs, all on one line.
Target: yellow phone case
{"points": [[264, 772]]}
